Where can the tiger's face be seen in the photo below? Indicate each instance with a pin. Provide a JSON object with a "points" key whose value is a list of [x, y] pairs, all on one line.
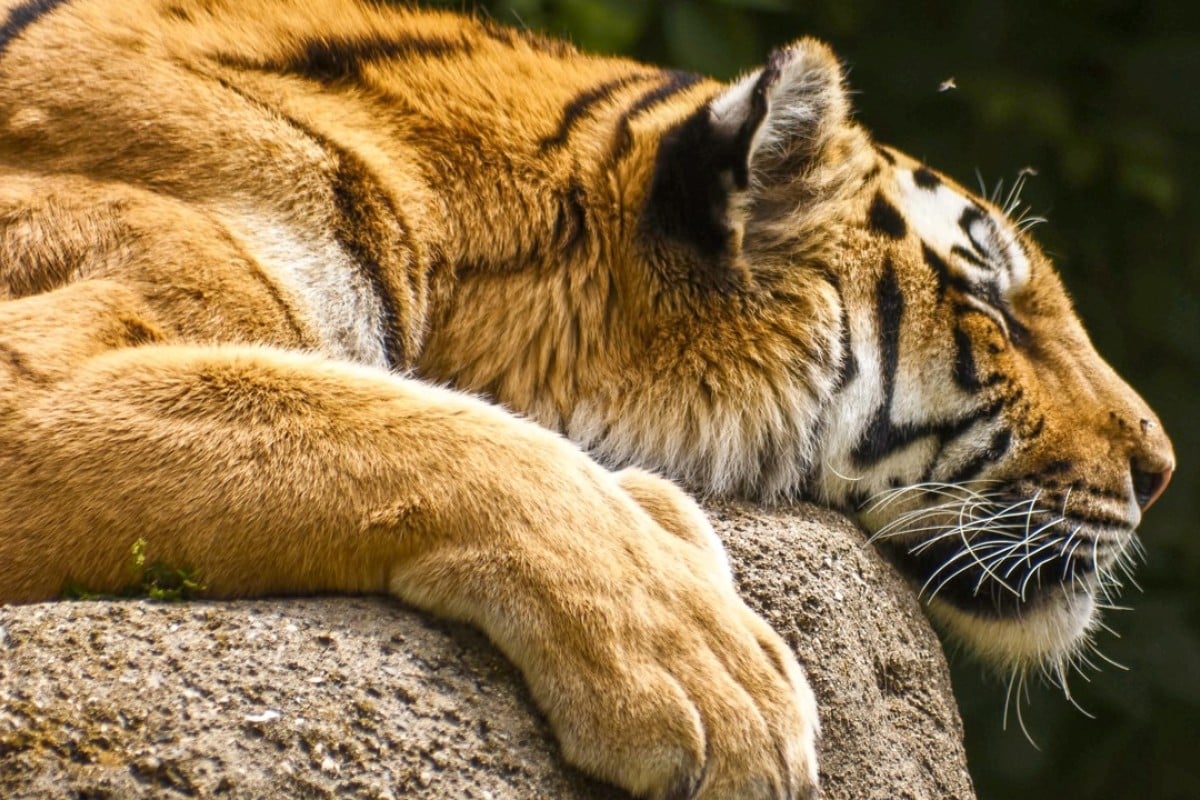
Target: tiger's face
{"points": [[988, 448], [949, 396]]}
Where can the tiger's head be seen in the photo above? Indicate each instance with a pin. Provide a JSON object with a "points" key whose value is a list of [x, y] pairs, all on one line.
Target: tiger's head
{"points": [[898, 348]]}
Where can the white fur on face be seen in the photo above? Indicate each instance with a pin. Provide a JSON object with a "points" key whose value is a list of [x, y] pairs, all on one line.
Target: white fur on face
{"points": [[984, 258], [1045, 637], [964, 233]]}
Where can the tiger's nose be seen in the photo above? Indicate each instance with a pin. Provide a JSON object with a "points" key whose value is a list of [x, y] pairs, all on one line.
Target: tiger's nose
{"points": [[1151, 464], [1149, 486]]}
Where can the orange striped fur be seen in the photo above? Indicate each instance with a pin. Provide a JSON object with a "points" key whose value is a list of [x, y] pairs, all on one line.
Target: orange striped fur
{"points": [[326, 295]]}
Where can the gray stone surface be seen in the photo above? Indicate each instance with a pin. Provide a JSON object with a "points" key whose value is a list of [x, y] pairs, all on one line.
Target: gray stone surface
{"points": [[364, 698]]}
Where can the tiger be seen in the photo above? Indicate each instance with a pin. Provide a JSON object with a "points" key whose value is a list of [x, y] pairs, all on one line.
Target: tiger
{"points": [[337, 296]]}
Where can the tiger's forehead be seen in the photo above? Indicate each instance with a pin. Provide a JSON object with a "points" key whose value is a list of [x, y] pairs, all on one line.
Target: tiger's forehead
{"points": [[971, 238]]}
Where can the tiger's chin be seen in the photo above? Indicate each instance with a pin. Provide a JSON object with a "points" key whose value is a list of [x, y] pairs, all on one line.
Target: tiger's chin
{"points": [[1018, 576], [1046, 637], [1028, 613]]}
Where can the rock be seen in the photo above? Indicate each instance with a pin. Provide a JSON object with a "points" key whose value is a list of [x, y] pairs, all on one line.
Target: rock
{"points": [[363, 698]]}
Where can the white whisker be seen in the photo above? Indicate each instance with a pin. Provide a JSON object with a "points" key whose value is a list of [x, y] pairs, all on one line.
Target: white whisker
{"points": [[982, 183], [1008, 698], [1112, 607], [1035, 571], [844, 477], [1095, 650], [1020, 717]]}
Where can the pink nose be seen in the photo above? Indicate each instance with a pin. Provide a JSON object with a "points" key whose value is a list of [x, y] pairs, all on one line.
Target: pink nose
{"points": [[1149, 486]]}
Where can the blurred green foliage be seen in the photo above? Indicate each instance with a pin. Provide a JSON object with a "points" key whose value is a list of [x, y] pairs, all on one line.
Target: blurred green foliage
{"points": [[1102, 99]]}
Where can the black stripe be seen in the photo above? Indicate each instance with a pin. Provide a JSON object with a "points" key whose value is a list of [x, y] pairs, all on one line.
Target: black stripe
{"points": [[889, 316], [849, 366], [883, 438], [849, 369], [1036, 430], [364, 214], [968, 255], [689, 197], [886, 219], [995, 450], [879, 438], [571, 221], [1018, 334], [269, 285], [334, 60], [926, 179], [364, 208], [946, 277], [676, 81], [179, 13], [971, 215], [583, 103], [886, 155], [966, 374], [22, 17]]}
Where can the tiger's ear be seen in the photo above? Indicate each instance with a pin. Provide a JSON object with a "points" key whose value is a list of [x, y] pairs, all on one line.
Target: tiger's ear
{"points": [[765, 129], [777, 115]]}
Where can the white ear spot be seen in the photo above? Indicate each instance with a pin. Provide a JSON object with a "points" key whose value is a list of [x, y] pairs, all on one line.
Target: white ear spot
{"points": [[731, 108]]}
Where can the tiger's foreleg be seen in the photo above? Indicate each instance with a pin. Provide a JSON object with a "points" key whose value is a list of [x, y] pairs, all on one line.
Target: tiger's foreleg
{"points": [[270, 471]]}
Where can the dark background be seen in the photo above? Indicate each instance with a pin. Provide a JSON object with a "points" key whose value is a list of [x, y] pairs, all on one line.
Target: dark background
{"points": [[1102, 99]]}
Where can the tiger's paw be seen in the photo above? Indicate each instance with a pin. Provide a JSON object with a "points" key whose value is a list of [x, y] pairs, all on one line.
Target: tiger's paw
{"points": [[679, 690], [613, 597]]}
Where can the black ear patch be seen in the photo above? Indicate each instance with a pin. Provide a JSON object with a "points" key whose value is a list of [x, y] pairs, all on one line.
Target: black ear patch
{"points": [[701, 162], [884, 218]]}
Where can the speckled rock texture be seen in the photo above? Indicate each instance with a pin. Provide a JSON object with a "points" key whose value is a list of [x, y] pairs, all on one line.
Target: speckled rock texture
{"points": [[364, 698]]}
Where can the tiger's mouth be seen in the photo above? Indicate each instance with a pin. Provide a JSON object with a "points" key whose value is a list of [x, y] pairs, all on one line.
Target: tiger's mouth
{"points": [[1018, 573]]}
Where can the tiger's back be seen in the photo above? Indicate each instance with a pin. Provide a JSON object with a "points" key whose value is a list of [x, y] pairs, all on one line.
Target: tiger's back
{"points": [[366, 173]]}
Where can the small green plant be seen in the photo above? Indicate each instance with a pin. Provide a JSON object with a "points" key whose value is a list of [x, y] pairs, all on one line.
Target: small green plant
{"points": [[156, 580]]}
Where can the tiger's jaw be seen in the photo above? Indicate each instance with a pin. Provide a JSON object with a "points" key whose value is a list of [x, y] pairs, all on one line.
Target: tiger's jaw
{"points": [[1019, 578], [1048, 638]]}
